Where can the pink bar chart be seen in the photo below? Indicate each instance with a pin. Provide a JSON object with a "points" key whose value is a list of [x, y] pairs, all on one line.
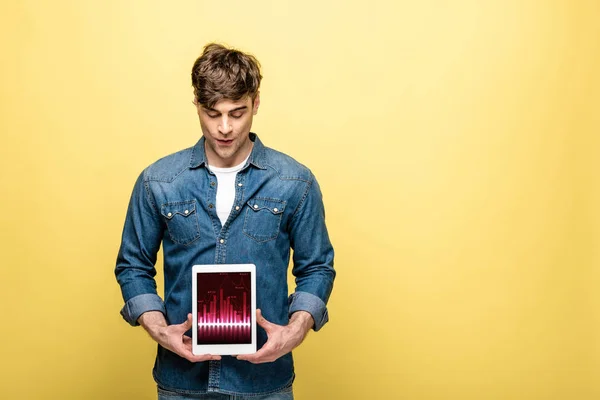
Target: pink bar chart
{"points": [[224, 308]]}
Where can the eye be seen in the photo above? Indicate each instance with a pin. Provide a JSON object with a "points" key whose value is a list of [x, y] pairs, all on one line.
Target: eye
{"points": [[236, 115], [212, 115]]}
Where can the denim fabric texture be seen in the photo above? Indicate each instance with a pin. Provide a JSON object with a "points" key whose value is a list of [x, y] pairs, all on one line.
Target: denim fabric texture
{"points": [[285, 394], [278, 207]]}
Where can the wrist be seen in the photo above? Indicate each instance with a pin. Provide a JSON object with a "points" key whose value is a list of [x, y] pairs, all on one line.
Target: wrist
{"points": [[302, 321], [154, 323]]}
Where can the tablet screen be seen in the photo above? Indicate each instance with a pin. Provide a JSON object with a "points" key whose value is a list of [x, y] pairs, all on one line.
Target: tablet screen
{"points": [[224, 308]]}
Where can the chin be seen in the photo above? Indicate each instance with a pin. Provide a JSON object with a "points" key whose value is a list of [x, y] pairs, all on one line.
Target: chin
{"points": [[226, 155]]}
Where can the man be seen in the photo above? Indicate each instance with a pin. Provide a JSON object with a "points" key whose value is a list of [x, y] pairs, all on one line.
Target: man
{"points": [[226, 200]]}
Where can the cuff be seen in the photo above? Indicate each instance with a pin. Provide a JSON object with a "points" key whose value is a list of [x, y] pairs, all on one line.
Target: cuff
{"points": [[304, 301], [140, 304]]}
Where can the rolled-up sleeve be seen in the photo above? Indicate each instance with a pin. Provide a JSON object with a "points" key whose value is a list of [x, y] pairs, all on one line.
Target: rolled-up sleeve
{"points": [[313, 257], [140, 304], [140, 242], [303, 301]]}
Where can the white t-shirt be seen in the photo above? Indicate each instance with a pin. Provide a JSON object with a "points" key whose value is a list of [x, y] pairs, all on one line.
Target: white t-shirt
{"points": [[226, 188]]}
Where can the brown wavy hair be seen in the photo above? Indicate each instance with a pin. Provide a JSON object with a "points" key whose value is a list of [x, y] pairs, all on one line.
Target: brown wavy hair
{"points": [[224, 73]]}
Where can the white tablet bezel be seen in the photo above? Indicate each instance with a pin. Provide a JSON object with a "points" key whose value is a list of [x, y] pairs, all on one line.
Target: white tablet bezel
{"points": [[223, 349]]}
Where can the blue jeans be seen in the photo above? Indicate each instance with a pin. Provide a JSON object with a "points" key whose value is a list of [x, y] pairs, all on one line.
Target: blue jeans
{"points": [[285, 394]]}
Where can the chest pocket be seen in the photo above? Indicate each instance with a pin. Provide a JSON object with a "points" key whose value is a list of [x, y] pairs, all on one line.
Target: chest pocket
{"points": [[263, 218], [182, 221]]}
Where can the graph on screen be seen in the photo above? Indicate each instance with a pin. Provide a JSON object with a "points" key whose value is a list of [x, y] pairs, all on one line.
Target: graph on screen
{"points": [[224, 308]]}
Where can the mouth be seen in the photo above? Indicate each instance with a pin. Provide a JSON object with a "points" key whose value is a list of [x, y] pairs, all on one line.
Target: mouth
{"points": [[227, 142]]}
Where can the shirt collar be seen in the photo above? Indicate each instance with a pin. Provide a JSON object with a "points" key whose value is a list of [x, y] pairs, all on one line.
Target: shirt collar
{"points": [[257, 156]]}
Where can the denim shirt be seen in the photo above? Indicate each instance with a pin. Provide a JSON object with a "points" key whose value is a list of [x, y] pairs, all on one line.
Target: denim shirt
{"points": [[278, 207]]}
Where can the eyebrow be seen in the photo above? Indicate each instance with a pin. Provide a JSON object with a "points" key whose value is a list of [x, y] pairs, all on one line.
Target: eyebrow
{"points": [[230, 111]]}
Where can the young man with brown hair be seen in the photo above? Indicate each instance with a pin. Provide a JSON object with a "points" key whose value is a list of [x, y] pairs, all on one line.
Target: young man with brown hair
{"points": [[226, 200]]}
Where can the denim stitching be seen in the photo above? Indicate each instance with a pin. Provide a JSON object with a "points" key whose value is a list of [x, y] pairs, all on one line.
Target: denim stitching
{"points": [[301, 203], [197, 234], [149, 196], [288, 178], [250, 209]]}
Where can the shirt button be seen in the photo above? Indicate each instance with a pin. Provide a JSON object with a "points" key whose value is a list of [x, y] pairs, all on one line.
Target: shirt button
{"points": [[221, 241], [275, 209], [237, 207], [212, 184], [240, 185], [187, 212], [169, 215], [211, 205], [255, 206]]}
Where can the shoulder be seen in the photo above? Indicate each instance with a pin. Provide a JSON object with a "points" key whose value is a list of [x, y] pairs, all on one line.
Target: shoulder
{"points": [[169, 167], [285, 166]]}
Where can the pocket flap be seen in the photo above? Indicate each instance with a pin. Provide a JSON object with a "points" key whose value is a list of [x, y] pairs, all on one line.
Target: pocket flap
{"points": [[273, 205], [184, 208]]}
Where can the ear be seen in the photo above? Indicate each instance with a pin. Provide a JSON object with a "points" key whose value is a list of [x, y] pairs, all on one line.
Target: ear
{"points": [[256, 103]]}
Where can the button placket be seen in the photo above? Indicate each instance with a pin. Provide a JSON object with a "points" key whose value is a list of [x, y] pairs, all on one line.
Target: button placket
{"points": [[239, 190]]}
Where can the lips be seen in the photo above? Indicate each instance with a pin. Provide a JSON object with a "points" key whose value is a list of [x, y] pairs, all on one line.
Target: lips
{"points": [[224, 142]]}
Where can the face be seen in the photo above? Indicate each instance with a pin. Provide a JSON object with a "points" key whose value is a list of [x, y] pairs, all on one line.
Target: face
{"points": [[226, 128]]}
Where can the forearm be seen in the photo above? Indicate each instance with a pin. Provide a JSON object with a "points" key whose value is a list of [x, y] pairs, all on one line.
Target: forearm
{"points": [[301, 323], [302, 319], [154, 323]]}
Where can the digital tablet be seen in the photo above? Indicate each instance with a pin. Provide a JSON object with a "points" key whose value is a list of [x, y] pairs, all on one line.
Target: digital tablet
{"points": [[224, 309]]}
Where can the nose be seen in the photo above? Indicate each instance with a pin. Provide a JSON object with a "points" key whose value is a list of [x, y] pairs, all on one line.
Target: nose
{"points": [[225, 125]]}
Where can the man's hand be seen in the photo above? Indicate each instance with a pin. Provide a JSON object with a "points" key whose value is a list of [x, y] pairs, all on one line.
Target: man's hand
{"points": [[280, 339], [172, 337]]}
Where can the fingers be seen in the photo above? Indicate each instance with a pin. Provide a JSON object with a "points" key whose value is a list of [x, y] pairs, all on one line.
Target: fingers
{"points": [[182, 344], [269, 352], [185, 351], [202, 357], [261, 356], [262, 321], [187, 324]]}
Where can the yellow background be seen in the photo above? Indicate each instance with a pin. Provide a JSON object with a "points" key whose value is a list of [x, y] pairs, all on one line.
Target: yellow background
{"points": [[456, 143]]}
